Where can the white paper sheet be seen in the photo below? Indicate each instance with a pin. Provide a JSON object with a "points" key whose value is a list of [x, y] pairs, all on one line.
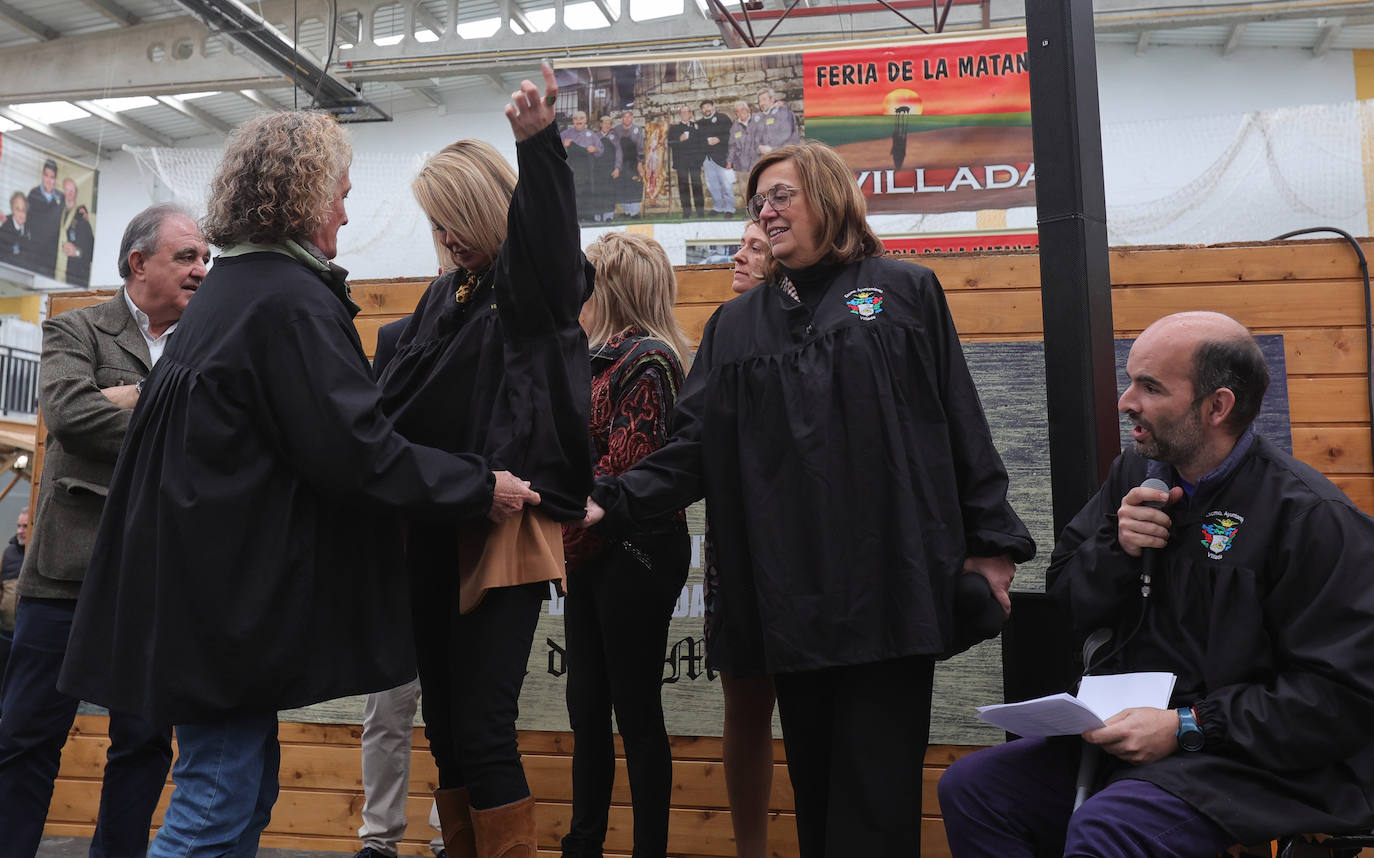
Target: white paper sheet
{"points": [[1099, 698]]}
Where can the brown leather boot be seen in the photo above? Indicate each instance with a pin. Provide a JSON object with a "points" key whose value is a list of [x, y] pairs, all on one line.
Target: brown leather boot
{"points": [[506, 831], [455, 822]]}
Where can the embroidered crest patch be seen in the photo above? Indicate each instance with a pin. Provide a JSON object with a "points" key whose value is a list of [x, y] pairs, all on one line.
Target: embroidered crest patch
{"points": [[1218, 531], [865, 303]]}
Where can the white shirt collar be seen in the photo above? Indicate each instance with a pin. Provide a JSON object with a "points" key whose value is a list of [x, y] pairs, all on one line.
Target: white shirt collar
{"points": [[155, 344]]}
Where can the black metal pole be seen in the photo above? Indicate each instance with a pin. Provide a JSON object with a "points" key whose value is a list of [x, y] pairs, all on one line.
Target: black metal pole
{"points": [[1075, 289], [1075, 283]]}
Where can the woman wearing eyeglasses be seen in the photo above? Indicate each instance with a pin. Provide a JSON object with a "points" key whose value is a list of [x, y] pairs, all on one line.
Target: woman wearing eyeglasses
{"points": [[850, 479]]}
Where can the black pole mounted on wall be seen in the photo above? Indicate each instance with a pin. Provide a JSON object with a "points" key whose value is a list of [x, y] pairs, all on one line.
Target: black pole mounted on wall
{"points": [[1075, 289]]}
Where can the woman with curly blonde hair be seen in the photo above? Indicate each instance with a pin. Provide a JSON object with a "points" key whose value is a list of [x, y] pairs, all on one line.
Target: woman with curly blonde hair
{"points": [[277, 180], [621, 592], [493, 361], [248, 563]]}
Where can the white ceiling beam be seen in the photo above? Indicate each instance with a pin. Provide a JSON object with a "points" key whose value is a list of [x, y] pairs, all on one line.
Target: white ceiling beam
{"points": [[115, 12], [26, 23], [1142, 43], [190, 111], [605, 9], [61, 135], [261, 99], [128, 123], [114, 62], [517, 16], [425, 91], [1234, 39], [425, 18], [1327, 37], [346, 33], [1105, 20]]}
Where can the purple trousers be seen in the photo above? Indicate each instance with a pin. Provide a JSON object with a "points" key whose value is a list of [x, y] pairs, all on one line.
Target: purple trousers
{"points": [[1016, 800]]}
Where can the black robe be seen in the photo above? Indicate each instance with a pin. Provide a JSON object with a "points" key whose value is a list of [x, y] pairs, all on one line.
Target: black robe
{"points": [[246, 560], [506, 374], [1267, 618], [847, 467]]}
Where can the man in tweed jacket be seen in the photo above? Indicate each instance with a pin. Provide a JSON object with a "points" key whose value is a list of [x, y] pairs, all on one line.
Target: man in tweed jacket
{"points": [[93, 361]]}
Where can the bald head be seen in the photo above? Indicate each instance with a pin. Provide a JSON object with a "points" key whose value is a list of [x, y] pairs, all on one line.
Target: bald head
{"points": [[1224, 356], [1198, 326]]}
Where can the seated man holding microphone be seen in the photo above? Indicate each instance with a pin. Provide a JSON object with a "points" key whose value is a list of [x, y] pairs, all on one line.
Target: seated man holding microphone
{"points": [[1260, 602]]}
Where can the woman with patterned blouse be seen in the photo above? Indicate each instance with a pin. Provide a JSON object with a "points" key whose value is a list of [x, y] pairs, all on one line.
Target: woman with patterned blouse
{"points": [[621, 593]]}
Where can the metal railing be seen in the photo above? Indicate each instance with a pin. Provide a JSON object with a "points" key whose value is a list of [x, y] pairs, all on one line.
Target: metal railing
{"points": [[18, 381]]}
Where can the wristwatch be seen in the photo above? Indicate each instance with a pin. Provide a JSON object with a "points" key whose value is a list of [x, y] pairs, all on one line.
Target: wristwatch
{"points": [[1190, 736]]}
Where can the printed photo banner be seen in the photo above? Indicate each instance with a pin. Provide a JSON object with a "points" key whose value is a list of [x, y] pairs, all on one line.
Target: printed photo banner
{"points": [[47, 214], [934, 125]]}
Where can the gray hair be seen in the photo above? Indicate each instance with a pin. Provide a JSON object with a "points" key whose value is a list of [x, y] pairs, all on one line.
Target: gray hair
{"points": [[141, 233]]}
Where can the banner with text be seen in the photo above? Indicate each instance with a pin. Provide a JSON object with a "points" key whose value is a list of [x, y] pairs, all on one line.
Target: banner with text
{"points": [[929, 126], [932, 125]]}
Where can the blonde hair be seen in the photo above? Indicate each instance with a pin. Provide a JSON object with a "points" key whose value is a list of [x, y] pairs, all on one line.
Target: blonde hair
{"points": [[836, 201], [466, 189], [277, 178], [635, 286]]}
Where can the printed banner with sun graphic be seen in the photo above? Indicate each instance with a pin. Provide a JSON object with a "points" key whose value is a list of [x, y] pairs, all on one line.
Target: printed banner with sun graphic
{"points": [[928, 127]]}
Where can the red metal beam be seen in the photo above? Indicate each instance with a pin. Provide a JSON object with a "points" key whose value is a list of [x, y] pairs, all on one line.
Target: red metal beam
{"points": [[853, 8]]}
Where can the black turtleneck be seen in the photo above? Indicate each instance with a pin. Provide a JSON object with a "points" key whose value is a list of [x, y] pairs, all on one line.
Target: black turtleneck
{"points": [[812, 282]]}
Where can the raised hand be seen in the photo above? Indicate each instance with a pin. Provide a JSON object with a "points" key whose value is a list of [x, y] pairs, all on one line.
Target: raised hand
{"points": [[528, 112]]}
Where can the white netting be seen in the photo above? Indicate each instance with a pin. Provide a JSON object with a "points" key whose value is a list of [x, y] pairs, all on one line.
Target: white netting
{"points": [[386, 229], [1237, 177]]}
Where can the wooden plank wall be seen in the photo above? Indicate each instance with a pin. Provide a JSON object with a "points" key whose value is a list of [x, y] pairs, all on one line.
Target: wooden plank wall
{"points": [[1310, 292]]}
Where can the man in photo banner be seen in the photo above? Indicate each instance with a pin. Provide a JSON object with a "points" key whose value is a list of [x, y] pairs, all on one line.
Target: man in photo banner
{"points": [[714, 128], [584, 150], [777, 124], [45, 220], [686, 143], [629, 171]]}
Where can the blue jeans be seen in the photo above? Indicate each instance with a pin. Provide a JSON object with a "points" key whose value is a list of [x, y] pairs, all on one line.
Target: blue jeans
{"points": [[35, 719], [226, 784], [1016, 801]]}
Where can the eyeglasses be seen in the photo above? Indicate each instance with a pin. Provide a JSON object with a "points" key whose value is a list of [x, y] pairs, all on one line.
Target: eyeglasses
{"points": [[778, 196]]}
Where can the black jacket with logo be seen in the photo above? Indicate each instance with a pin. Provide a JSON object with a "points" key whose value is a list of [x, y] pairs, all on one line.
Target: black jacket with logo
{"points": [[1264, 607], [847, 467]]}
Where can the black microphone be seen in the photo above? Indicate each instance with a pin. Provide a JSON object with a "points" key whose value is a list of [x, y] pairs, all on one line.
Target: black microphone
{"points": [[1149, 557]]}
